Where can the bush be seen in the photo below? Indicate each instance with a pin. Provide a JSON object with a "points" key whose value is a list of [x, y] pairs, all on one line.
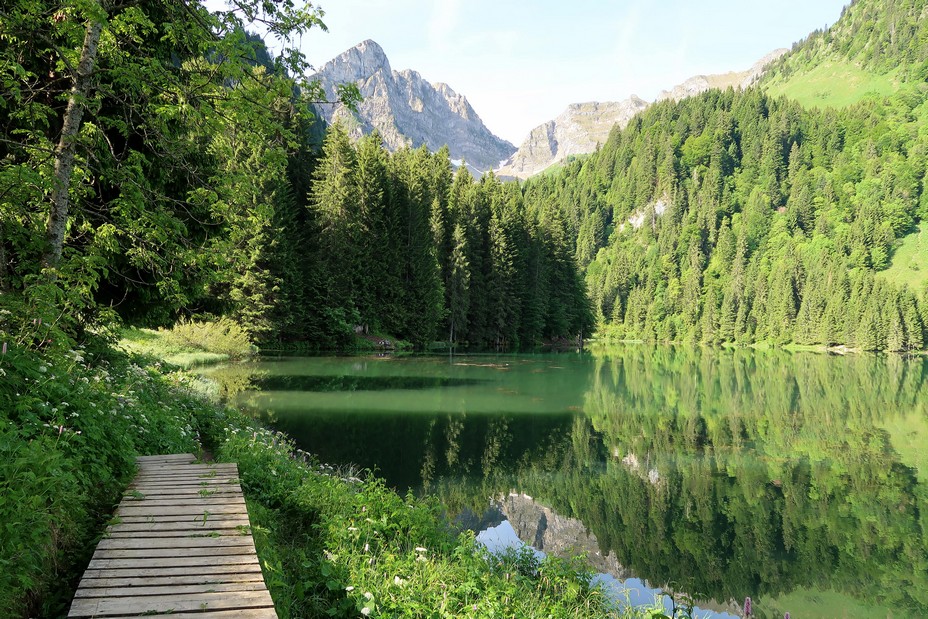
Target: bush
{"points": [[223, 336], [71, 426]]}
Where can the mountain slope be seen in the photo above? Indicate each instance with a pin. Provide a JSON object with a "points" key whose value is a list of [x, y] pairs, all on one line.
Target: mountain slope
{"points": [[576, 131], [407, 110], [876, 48], [738, 216], [583, 126]]}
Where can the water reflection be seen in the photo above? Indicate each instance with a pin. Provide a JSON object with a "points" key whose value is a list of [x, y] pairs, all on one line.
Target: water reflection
{"points": [[797, 479]]}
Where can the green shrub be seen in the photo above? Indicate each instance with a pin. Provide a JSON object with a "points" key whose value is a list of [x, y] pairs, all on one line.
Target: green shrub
{"points": [[71, 425], [223, 336]]}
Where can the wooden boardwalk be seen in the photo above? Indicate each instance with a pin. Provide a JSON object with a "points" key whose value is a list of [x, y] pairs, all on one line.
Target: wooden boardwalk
{"points": [[180, 547]]}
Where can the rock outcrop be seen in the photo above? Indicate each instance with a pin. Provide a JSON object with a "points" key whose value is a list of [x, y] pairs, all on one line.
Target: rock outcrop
{"points": [[546, 530], [733, 79], [582, 126], [408, 110], [576, 131]]}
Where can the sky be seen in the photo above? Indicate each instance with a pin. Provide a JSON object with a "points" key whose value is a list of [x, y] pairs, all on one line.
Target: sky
{"points": [[520, 63]]}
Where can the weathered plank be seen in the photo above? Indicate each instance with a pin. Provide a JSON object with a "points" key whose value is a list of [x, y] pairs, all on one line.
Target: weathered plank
{"points": [[175, 542], [179, 546], [243, 613], [173, 603], [143, 563], [190, 501], [180, 529], [184, 518], [214, 553], [163, 492], [216, 571], [181, 580], [123, 591], [140, 509]]}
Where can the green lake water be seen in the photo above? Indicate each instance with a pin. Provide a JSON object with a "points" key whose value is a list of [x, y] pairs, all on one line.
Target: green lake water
{"points": [[798, 479]]}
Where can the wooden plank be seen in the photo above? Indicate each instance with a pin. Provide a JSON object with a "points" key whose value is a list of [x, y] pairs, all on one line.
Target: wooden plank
{"points": [[177, 510], [187, 469], [244, 613], [197, 520], [199, 552], [185, 480], [183, 534], [174, 589], [216, 571], [162, 493], [171, 562], [184, 477], [192, 498], [181, 580], [225, 541], [178, 529], [166, 457], [195, 602], [185, 485]]}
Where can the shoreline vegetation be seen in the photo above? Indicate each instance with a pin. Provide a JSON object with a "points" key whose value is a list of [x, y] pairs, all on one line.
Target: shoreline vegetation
{"points": [[332, 541], [75, 416]]}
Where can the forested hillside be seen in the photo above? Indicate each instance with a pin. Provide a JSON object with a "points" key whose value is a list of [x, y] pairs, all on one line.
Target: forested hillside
{"points": [[395, 243], [742, 217], [873, 46], [157, 163], [736, 217]]}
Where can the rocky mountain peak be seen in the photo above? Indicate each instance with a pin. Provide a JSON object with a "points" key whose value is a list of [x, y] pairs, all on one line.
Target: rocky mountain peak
{"points": [[407, 110]]}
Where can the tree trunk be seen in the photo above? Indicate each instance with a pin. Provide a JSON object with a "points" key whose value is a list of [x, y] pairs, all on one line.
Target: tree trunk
{"points": [[4, 276], [64, 152]]}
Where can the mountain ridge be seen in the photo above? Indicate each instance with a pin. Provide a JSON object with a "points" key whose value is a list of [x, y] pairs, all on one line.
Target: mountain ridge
{"points": [[583, 126], [408, 110]]}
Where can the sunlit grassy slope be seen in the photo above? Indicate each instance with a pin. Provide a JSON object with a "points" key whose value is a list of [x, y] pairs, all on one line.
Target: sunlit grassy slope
{"points": [[909, 264], [807, 603], [833, 83]]}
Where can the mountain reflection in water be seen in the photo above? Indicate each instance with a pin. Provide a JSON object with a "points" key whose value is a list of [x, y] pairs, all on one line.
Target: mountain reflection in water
{"points": [[795, 478]]}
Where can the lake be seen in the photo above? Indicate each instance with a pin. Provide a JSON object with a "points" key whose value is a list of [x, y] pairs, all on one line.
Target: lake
{"points": [[798, 479]]}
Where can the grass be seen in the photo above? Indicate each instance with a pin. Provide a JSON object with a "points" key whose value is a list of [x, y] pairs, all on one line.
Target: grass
{"points": [[806, 603], [189, 344], [909, 265], [833, 83]]}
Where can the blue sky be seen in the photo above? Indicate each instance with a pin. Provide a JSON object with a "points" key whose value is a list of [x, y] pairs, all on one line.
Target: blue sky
{"points": [[520, 63]]}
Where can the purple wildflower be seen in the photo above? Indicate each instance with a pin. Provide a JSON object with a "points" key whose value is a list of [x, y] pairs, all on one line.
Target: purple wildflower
{"points": [[747, 607]]}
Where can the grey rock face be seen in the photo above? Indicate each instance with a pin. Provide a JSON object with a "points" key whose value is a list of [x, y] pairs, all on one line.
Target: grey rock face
{"points": [[582, 126], [735, 79], [407, 110], [543, 528], [576, 131]]}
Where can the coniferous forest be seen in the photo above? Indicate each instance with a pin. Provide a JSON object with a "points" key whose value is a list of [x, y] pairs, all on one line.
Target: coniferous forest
{"points": [[744, 217], [735, 217], [160, 167]]}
